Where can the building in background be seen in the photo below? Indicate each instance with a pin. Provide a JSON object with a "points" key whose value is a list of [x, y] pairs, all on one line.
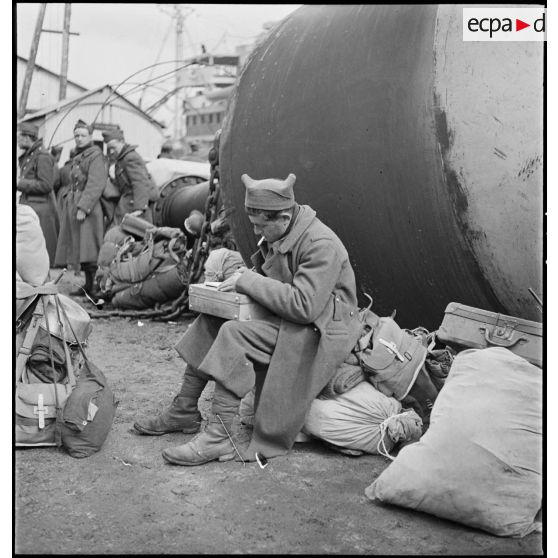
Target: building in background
{"points": [[45, 86], [209, 86], [106, 109], [210, 89]]}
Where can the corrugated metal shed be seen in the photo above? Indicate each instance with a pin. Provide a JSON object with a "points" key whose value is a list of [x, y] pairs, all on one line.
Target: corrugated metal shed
{"points": [[104, 107]]}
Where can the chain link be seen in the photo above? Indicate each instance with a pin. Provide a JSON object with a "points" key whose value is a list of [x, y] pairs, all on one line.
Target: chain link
{"points": [[200, 249]]}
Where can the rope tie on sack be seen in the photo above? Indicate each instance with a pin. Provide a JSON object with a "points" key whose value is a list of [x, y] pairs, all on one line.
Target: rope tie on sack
{"points": [[405, 426]]}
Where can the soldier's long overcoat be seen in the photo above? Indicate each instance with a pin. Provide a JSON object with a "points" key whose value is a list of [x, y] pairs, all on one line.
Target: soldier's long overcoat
{"points": [[80, 242], [309, 283], [36, 186], [133, 181]]}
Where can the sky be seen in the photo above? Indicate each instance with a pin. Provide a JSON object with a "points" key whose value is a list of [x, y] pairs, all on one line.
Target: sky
{"points": [[117, 39]]}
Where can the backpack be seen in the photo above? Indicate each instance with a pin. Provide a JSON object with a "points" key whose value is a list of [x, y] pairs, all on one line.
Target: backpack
{"points": [[137, 273], [391, 357], [39, 400], [61, 399]]}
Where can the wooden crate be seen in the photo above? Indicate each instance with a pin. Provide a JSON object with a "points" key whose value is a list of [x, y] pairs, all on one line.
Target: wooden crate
{"points": [[227, 305]]}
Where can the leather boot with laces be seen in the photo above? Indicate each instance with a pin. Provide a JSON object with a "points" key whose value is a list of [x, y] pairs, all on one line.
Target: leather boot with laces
{"points": [[182, 415], [215, 442], [179, 417]]}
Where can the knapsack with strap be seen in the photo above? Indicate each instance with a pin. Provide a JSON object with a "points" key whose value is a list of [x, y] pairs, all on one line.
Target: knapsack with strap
{"points": [[61, 398], [391, 357], [39, 404]]}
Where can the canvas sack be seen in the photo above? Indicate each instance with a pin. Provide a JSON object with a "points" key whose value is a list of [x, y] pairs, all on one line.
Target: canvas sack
{"points": [[480, 462]]}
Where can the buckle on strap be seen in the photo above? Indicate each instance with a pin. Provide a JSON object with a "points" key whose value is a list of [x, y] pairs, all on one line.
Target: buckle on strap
{"points": [[392, 347], [40, 410]]}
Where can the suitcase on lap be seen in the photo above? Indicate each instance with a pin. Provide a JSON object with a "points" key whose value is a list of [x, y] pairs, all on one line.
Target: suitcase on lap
{"points": [[469, 327]]}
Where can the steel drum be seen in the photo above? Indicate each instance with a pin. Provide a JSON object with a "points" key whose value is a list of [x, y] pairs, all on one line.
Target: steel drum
{"points": [[421, 151]]}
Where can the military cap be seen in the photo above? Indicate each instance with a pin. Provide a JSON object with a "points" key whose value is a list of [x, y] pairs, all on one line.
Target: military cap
{"points": [[28, 129], [269, 193], [117, 134], [82, 124]]}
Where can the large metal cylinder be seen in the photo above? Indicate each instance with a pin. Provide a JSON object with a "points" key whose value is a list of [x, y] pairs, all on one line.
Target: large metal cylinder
{"points": [[421, 151], [178, 198]]}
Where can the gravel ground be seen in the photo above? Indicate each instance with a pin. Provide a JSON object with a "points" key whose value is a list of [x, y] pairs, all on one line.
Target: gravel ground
{"points": [[127, 500]]}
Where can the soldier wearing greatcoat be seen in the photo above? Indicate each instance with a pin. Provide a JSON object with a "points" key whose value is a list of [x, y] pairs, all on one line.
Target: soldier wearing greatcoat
{"points": [[81, 227], [302, 274], [36, 183], [131, 178]]}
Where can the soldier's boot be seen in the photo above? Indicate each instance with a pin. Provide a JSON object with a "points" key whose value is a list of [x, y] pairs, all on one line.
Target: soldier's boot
{"points": [[214, 442], [91, 287], [183, 414]]}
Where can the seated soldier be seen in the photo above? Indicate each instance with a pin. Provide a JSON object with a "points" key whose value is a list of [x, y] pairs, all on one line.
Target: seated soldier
{"points": [[302, 274]]}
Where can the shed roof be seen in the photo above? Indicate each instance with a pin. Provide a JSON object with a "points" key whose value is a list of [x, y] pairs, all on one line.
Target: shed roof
{"points": [[56, 107]]}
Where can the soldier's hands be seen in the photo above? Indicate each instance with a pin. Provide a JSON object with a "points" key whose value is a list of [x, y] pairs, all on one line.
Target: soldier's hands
{"points": [[81, 215], [229, 284]]}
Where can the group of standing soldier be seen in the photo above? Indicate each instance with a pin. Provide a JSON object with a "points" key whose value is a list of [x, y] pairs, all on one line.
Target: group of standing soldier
{"points": [[301, 274], [77, 203]]}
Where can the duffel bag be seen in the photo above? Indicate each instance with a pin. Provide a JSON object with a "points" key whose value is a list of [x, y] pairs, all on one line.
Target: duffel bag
{"points": [[162, 286], [129, 268], [481, 461], [88, 413]]}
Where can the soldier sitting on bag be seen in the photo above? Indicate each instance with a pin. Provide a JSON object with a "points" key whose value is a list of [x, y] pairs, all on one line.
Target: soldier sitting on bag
{"points": [[131, 178], [302, 274]]}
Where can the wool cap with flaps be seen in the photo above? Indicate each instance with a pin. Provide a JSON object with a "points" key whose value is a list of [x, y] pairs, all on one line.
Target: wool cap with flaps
{"points": [[269, 193]]}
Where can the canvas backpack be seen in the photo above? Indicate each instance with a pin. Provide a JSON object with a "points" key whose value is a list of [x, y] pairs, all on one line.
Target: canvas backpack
{"points": [[391, 357], [61, 399], [39, 403]]}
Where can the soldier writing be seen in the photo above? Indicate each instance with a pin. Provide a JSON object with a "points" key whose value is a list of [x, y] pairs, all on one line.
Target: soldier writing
{"points": [[302, 274]]}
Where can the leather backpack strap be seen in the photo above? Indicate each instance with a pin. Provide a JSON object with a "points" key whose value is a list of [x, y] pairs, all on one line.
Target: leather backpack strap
{"points": [[25, 349], [69, 367]]}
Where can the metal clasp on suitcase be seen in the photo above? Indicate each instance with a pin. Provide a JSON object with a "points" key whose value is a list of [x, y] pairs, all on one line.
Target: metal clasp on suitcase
{"points": [[502, 336]]}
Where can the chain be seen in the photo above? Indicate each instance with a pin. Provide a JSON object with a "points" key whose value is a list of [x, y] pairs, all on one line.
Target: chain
{"points": [[200, 250], [189, 269]]}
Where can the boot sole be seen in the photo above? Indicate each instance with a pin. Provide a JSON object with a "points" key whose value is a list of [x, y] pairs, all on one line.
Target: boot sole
{"points": [[148, 432], [221, 458]]}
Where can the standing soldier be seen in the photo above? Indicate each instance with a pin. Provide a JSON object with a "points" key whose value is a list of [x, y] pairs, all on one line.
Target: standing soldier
{"points": [[81, 229], [131, 177], [36, 183]]}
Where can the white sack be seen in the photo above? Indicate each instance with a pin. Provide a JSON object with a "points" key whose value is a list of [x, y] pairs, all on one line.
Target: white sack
{"points": [[480, 462], [352, 419]]}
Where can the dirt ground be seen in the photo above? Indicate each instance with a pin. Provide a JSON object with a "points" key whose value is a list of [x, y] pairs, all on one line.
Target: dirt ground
{"points": [[127, 500]]}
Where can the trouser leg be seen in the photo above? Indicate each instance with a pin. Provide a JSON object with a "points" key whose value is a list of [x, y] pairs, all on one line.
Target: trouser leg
{"points": [[89, 269], [239, 348]]}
